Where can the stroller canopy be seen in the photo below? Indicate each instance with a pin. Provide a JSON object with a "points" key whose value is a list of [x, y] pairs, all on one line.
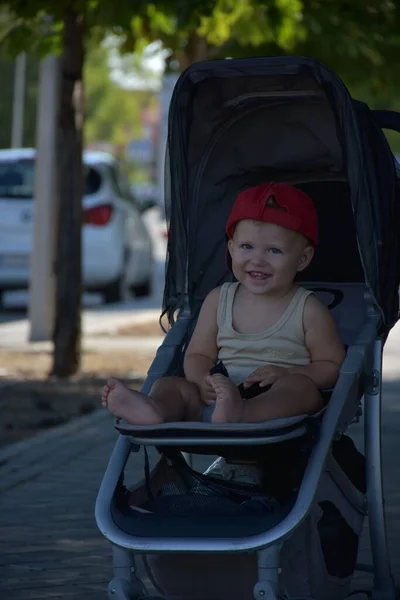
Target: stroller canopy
{"points": [[236, 123]]}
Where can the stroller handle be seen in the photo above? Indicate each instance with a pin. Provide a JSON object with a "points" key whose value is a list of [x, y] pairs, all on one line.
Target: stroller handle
{"points": [[387, 119]]}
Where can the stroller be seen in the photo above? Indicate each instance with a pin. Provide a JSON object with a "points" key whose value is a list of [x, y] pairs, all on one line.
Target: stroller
{"points": [[233, 124]]}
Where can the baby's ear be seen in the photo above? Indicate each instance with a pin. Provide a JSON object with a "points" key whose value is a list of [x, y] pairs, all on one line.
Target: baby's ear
{"points": [[305, 258]]}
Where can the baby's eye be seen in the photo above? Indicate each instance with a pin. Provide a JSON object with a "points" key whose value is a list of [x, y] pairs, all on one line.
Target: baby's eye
{"points": [[247, 246], [275, 250]]}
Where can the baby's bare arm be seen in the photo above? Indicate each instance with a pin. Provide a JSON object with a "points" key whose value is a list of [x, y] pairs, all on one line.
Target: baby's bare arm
{"points": [[323, 342], [202, 352]]}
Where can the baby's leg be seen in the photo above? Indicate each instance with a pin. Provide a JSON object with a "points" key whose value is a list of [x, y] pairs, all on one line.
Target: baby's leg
{"points": [[229, 405], [290, 396], [170, 399]]}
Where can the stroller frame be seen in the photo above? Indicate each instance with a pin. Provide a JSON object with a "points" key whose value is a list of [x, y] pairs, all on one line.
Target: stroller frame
{"points": [[364, 356], [358, 391]]}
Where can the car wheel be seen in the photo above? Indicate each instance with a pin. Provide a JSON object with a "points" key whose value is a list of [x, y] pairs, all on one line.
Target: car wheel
{"points": [[117, 290], [142, 290], [113, 292]]}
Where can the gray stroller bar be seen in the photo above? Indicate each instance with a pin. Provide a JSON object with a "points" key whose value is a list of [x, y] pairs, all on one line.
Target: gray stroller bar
{"points": [[335, 419]]}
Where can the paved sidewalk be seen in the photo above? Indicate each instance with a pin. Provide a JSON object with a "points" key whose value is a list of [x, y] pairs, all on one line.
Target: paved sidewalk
{"points": [[49, 543], [50, 547], [98, 325]]}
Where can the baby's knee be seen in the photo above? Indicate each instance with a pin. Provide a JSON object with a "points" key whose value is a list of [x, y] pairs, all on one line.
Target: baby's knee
{"points": [[303, 387], [301, 382]]}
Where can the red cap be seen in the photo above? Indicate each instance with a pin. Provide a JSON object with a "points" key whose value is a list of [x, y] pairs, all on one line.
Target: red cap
{"points": [[278, 203]]}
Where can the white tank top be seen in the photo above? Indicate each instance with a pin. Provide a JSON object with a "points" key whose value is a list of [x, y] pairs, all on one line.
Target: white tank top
{"points": [[282, 344]]}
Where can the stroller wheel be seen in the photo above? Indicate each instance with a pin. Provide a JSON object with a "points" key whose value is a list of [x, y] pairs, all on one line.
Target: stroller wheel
{"points": [[122, 589]]}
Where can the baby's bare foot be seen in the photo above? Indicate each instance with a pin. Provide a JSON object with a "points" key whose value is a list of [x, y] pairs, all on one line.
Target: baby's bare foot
{"points": [[104, 395], [134, 407], [229, 404]]}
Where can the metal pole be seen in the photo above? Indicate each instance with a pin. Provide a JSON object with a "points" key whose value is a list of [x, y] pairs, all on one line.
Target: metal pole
{"points": [[384, 587], [42, 284], [17, 131]]}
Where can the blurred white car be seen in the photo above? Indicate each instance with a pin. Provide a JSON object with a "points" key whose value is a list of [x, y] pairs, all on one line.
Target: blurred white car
{"points": [[145, 192], [116, 245]]}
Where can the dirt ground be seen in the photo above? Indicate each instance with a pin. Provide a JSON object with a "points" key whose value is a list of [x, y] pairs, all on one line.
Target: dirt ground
{"points": [[30, 402], [151, 328], [98, 365]]}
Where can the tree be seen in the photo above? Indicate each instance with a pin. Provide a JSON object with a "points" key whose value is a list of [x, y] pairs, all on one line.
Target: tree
{"points": [[359, 41], [67, 330], [27, 26], [350, 36], [201, 30], [32, 28], [112, 113]]}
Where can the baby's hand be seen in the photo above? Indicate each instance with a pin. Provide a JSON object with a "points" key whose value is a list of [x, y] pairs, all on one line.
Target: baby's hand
{"points": [[207, 391], [265, 376]]}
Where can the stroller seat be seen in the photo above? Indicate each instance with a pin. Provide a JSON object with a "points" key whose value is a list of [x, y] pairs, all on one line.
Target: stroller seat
{"points": [[348, 307], [293, 534]]}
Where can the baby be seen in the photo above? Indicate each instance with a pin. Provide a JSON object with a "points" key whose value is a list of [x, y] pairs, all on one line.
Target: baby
{"points": [[274, 343]]}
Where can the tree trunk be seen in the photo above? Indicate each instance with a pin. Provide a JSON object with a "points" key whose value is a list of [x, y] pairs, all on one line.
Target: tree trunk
{"points": [[195, 50], [67, 331]]}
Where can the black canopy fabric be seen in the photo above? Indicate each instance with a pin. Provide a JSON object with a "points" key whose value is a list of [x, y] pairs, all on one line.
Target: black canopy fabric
{"points": [[236, 123]]}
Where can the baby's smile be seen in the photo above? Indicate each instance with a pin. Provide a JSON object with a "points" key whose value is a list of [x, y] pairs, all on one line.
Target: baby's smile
{"points": [[258, 275]]}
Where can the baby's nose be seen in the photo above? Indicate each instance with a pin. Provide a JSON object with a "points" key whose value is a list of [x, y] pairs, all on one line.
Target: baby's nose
{"points": [[259, 257]]}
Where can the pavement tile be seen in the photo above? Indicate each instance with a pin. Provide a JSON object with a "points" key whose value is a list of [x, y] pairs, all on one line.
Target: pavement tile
{"points": [[50, 546]]}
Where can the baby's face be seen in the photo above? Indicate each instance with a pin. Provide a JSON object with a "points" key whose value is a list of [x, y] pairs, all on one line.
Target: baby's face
{"points": [[266, 257]]}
